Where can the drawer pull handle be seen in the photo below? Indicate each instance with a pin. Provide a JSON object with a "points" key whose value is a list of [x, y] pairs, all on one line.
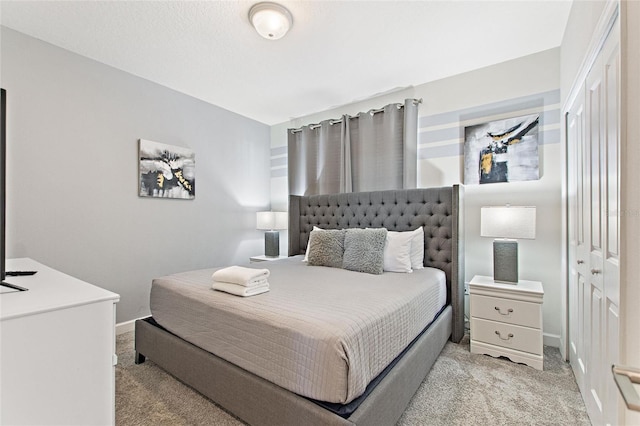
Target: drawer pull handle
{"points": [[509, 336], [595, 271], [509, 311], [580, 262]]}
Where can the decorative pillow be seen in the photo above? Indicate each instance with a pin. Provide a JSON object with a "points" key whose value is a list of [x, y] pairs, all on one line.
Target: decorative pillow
{"points": [[417, 249], [326, 247], [397, 251], [364, 250], [306, 252]]}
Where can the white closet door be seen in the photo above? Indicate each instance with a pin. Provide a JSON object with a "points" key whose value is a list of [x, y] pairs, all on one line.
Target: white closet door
{"points": [[610, 179], [593, 148], [594, 297], [577, 232]]}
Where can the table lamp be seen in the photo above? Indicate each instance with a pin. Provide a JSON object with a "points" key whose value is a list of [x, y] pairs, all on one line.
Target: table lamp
{"points": [[506, 224], [271, 222]]}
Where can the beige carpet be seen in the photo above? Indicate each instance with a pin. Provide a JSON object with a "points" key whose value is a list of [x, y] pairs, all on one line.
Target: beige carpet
{"points": [[461, 389]]}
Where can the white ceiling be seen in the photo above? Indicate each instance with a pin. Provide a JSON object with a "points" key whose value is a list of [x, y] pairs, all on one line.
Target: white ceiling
{"points": [[337, 52]]}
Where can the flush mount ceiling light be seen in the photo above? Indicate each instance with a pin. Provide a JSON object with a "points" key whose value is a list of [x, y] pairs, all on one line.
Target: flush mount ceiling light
{"points": [[271, 20]]}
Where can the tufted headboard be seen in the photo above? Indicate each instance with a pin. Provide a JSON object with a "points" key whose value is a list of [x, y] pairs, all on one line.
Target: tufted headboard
{"points": [[439, 210]]}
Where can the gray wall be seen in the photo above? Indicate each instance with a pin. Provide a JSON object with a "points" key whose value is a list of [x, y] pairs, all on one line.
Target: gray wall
{"points": [[510, 89], [73, 130]]}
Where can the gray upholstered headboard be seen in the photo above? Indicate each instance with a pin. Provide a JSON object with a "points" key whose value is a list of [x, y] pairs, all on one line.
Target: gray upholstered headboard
{"points": [[439, 210]]}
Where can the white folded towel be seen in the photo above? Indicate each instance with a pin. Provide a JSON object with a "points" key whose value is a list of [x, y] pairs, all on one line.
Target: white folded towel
{"points": [[240, 275], [254, 283], [240, 290]]}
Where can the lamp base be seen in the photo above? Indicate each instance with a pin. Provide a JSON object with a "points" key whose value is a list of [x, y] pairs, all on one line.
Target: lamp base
{"points": [[272, 243], [505, 261]]}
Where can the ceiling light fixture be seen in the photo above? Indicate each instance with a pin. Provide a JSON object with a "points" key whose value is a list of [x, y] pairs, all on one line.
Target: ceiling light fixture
{"points": [[271, 20]]}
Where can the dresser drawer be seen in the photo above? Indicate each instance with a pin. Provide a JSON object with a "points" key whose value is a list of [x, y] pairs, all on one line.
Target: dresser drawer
{"points": [[507, 335], [511, 311]]}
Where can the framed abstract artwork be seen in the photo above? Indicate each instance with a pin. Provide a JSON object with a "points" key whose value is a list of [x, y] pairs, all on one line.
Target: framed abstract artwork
{"points": [[166, 171], [502, 151]]}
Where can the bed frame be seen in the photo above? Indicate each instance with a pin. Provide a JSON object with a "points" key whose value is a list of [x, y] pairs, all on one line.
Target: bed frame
{"points": [[260, 402]]}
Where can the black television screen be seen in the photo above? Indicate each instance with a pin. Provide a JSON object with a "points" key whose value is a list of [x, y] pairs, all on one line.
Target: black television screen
{"points": [[3, 191]]}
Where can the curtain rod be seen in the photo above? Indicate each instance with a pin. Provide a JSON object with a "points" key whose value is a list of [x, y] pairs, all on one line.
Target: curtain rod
{"points": [[339, 120]]}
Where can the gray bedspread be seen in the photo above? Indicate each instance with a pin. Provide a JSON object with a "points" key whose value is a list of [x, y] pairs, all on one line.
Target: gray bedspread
{"points": [[320, 332]]}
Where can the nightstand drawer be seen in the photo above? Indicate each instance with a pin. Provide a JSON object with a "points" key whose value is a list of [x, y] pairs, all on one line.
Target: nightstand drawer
{"points": [[506, 335], [506, 310]]}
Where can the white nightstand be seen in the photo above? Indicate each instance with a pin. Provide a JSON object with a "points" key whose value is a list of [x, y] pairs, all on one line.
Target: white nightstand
{"points": [[506, 319], [263, 258]]}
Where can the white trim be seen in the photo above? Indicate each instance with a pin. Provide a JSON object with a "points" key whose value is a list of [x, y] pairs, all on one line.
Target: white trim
{"points": [[564, 239], [553, 340], [125, 327]]}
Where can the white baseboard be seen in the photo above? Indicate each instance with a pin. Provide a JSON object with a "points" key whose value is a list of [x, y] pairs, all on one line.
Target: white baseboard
{"points": [[125, 327], [551, 340]]}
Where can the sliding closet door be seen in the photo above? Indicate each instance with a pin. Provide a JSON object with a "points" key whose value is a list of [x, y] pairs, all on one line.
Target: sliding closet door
{"points": [[594, 233]]}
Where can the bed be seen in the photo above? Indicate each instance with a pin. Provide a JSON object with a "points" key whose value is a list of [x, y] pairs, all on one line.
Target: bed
{"points": [[374, 388]]}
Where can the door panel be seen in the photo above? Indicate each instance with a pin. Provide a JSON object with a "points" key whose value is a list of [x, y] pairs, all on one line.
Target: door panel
{"points": [[595, 139], [577, 229], [595, 373], [612, 407], [576, 241], [612, 178], [611, 227]]}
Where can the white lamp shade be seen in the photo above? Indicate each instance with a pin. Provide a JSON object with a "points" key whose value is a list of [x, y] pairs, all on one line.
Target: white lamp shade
{"points": [[508, 222], [271, 20], [271, 220]]}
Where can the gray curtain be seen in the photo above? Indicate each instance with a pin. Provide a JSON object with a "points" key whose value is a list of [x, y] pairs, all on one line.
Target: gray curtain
{"points": [[376, 150], [316, 159]]}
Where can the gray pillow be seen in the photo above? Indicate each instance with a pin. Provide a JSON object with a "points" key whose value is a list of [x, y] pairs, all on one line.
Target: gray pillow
{"points": [[364, 250], [326, 247]]}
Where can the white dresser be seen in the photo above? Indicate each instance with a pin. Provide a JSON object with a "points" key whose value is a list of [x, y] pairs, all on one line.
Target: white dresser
{"points": [[506, 319], [57, 353]]}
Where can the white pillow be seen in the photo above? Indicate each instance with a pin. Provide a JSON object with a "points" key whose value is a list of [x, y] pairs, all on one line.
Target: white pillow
{"points": [[397, 251], [306, 253], [417, 248]]}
